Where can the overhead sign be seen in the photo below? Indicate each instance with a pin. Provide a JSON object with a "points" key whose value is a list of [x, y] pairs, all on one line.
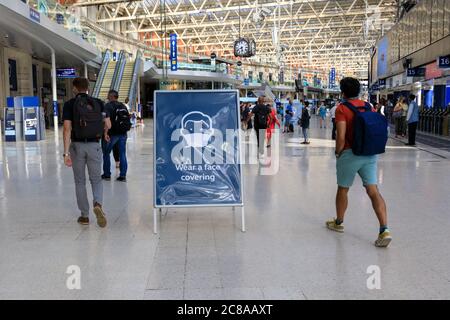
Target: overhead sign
{"points": [[332, 78], [173, 52], [35, 15], [66, 73], [197, 149], [59, 18], [444, 62], [382, 83], [415, 72]]}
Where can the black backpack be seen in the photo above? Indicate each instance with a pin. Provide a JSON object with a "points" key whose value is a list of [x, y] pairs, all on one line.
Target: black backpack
{"points": [[263, 116], [87, 118], [120, 119]]}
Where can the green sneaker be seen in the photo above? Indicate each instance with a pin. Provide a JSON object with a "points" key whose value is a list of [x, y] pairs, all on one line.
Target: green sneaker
{"points": [[384, 239], [331, 224], [100, 214]]}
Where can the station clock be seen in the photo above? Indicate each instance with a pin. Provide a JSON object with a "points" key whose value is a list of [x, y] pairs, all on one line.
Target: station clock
{"points": [[242, 48]]}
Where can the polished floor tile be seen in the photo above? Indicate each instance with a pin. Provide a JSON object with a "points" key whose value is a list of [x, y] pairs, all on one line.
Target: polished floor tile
{"points": [[201, 253]]}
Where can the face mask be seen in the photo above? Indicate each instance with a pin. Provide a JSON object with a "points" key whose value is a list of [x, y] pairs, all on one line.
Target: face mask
{"points": [[196, 129]]}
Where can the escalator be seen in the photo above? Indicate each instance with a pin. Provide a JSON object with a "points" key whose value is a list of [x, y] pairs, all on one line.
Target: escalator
{"points": [[107, 81], [121, 75], [126, 79], [103, 70]]}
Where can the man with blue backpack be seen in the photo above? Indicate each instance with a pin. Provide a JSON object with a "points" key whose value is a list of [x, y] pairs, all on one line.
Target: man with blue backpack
{"points": [[361, 136]]}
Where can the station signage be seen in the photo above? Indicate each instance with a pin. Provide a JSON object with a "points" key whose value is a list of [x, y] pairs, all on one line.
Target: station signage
{"points": [[173, 52], [59, 18], [197, 149], [444, 62], [35, 15], [66, 73], [332, 78], [382, 83], [415, 72]]}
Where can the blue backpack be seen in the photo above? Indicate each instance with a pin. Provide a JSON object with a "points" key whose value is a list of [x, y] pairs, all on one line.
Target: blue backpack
{"points": [[370, 133]]}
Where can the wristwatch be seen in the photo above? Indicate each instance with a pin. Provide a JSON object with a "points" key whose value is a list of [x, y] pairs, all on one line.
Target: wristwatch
{"points": [[337, 154], [66, 155]]}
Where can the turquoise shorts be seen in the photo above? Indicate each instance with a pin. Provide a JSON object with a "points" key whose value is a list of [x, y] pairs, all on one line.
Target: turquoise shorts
{"points": [[348, 165]]}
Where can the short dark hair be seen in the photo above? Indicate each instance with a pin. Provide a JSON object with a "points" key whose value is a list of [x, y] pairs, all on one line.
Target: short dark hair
{"points": [[306, 103], [114, 93], [350, 87], [412, 97], [82, 84]]}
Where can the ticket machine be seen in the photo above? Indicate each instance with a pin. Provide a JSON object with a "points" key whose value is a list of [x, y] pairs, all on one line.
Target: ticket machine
{"points": [[13, 120], [24, 119]]}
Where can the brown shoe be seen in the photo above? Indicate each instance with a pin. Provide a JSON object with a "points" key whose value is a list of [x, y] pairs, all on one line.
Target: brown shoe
{"points": [[101, 218], [83, 220]]}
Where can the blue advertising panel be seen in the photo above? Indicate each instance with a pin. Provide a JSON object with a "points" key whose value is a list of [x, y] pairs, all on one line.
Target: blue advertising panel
{"points": [[173, 52], [197, 149], [382, 61], [444, 62], [66, 73]]}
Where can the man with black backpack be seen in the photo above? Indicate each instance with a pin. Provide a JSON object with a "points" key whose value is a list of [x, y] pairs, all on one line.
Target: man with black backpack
{"points": [[361, 136], [261, 113], [85, 122], [120, 125]]}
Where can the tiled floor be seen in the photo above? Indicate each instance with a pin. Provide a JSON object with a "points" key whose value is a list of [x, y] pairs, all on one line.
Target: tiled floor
{"points": [[286, 252]]}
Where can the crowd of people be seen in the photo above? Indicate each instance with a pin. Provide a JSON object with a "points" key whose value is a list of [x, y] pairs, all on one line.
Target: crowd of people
{"points": [[93, 129]]}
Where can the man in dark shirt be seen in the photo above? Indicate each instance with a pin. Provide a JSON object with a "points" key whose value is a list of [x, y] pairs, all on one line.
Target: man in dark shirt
{"points": [[118, 139], [82, 153], [260, 112]]}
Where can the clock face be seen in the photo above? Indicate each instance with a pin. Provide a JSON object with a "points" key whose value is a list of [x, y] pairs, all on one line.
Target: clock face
{"points": [[241, 48]]}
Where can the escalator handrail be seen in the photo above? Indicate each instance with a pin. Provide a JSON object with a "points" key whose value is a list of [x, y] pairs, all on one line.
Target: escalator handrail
{"points": [[101, 74], [134, 78], [118, 72]]}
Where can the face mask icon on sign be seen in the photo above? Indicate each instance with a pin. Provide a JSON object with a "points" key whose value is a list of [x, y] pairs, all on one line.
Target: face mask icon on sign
{"points": [[196, 129]]}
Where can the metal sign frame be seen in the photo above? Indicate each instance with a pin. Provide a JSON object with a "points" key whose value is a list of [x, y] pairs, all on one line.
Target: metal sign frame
{"points": [[239, 155]]}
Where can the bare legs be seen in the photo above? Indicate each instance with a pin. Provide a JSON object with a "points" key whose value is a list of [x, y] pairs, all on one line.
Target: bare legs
{"points": [[378, 204], [341, 202]]}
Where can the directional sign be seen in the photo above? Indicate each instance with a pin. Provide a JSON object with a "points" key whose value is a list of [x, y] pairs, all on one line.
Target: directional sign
{"points": [[66, 73], [332, 79], [173, 52], [35, 15]]}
